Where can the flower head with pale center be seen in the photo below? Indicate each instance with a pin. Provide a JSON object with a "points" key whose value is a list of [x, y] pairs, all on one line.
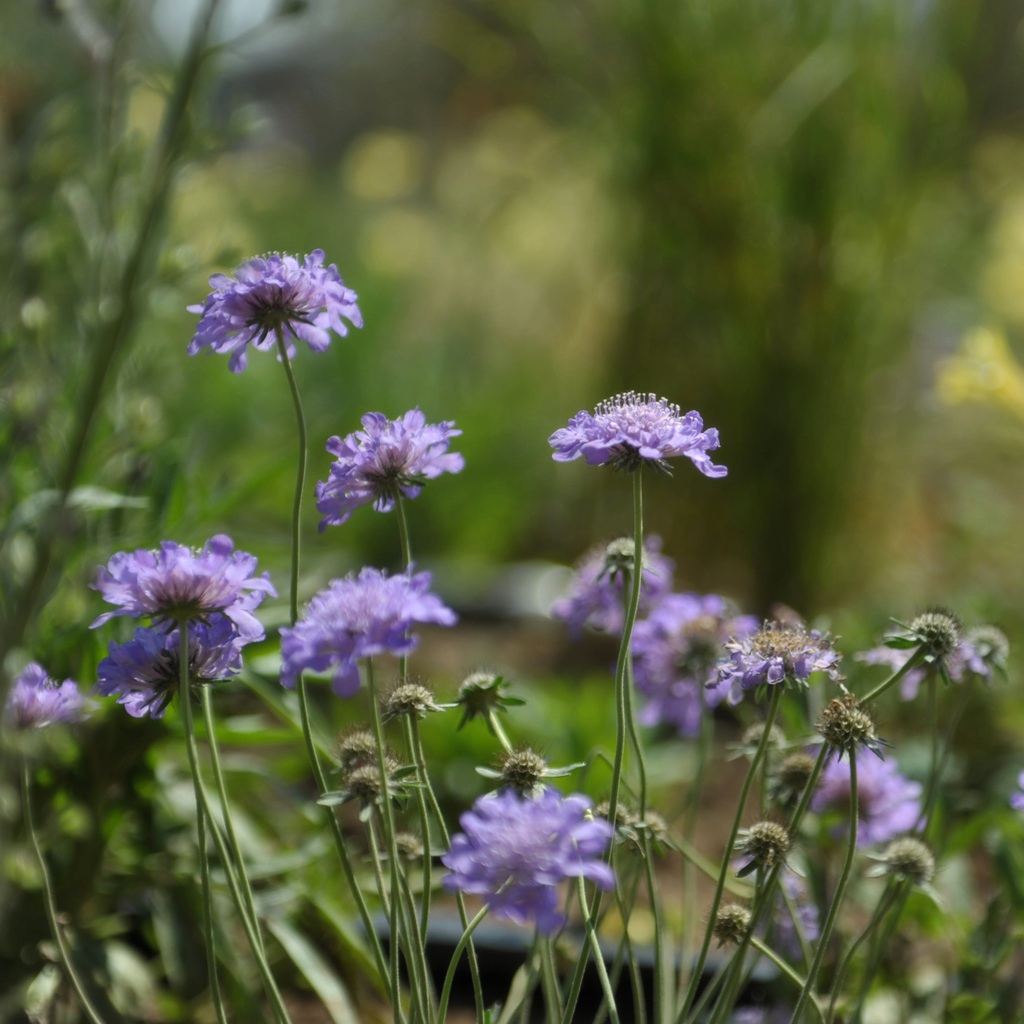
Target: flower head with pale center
{"points": [[176, 583], [359, 617], [36, 700], [515, 851], [269, 295], [631, 430], [384, 460]]}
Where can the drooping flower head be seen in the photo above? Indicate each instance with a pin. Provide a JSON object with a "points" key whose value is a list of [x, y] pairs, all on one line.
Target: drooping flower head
{"points": [[676, 650], [36, 700], [514, 852], [176, 582], [630, 430], [304, 301], [385, 459], [775, 655], [595, 599], [144, 673], [888, 803], [358, 617]]}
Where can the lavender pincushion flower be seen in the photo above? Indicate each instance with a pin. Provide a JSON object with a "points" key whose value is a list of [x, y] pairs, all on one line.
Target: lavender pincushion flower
{"points": [[629, 430], [36, 700], [515, 851], [888, 802], [269, 294], [175, 582], [595, 599], [676, 649], [358, 617], [385, 459], [1017, 799], [776, 654], [145, 672]]}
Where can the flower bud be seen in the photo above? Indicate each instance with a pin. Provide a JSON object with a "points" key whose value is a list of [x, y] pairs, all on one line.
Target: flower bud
{"points": [[766, 843], [731, 924]]}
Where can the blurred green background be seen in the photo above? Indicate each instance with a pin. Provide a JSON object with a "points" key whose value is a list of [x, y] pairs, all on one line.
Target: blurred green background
{"points": [[803, 219]]}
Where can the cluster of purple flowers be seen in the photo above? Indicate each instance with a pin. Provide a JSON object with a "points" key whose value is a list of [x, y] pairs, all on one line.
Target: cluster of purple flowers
{"points": [[271, 294], [676, 650], [595, 599], [515, 851], [36, 700], [630, 430], [212, 591], [358, 617], [888, 802], [385, 459]]}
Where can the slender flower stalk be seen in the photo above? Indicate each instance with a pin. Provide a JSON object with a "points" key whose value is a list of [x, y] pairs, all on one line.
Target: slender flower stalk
{"points": [[460, 946], [201, 819], [801, 983], [833, 911], [50, 902], [595, 946], [755, 763]]}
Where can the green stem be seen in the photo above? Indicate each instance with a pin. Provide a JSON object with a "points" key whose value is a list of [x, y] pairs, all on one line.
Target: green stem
{"points": [[185, 700], [446, 989], [786, 969], [912, 662], [424, 779], [403, 539], [421, 806], [837, 899], [549, 982], [300, 479], [602, 973], [755, 762], [498, 729], [63, 950], [887, 899]]}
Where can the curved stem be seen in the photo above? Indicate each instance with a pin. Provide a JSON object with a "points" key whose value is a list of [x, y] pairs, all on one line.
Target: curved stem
{"points": [[185, 700], [446, 990], [912, 662], [837, 899], [51, 904], [499, 730], [602, 972], [435, 807], [786, 969], [773, 709]]}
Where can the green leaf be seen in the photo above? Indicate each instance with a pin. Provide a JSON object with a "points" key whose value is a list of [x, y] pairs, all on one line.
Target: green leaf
{"points": [[315, 969]]}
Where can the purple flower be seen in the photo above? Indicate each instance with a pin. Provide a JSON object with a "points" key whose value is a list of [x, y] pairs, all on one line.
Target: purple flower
{"points": [[385, 459], [630, 429], [595, 598], [176, 582], [515, 851], [358, 617], [145, 672], [269, 294], [676, 650], [36, 700], [888, 803], [1017, 799], [776, 654]]}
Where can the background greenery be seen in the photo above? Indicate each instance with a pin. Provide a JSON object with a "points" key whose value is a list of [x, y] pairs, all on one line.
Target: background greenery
{"points": [[805, 220]]}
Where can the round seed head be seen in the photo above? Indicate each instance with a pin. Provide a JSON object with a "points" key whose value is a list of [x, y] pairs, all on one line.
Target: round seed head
{"points": [[766, 843], [363, 784], [937, 630], [794, 772], [523, 770], [846, 725], [409, 699], [409, 845], [731, 923], [991, 644], [909, 858], [357, 748]]}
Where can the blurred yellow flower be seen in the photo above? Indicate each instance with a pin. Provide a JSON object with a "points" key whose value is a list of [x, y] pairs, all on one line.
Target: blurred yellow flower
{"points": [[983, 370]]}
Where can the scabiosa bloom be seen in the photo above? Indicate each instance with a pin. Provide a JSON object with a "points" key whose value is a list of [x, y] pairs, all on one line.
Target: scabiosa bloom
{"points": [[676, 651], [596, 595], [385, 459], [1017, 799], [145, 672], [358, 617], [515, 851], [176, 582], [269, 294], [630, 430], [888, 803], [36, 700], [776, 654]]}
